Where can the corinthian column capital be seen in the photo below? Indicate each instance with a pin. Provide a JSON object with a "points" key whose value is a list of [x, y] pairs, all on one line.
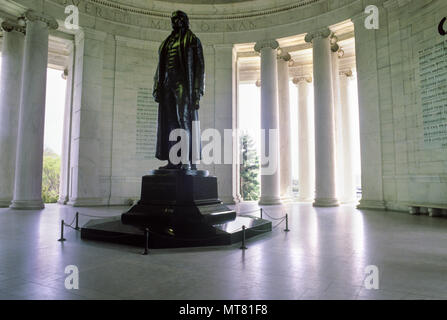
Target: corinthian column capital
{"points": [[334, 43], [297, 80], [8, 26], [284, 56], [346, 73], [32, 15], [318, 34], [273, 44]]}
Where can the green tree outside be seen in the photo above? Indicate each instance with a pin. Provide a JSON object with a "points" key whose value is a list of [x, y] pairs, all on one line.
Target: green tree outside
{"points": [[249, 169], [50, 176]]}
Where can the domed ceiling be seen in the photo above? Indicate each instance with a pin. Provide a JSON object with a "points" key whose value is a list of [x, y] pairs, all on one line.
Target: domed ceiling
{"points": [[207, 1], [208, 7]]}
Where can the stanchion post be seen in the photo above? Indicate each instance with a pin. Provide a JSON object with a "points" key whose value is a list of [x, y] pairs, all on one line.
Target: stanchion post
{"points": [[260, 209], [62, 239], [146, 242], [77, 221], [287, 223], [243, 247]]}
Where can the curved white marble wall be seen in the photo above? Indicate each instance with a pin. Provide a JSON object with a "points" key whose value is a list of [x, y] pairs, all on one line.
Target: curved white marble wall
{"points": [[117, 51]]}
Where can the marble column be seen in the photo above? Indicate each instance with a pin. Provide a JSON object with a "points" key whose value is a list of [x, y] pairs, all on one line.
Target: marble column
{"points": [[28, 173], [64, 186], [285, 152], [369, 115], [270, 179], [306, 152], [225, 87], [337, 118], [325, 189], [347, 121], [10, 84], [86, 164]]}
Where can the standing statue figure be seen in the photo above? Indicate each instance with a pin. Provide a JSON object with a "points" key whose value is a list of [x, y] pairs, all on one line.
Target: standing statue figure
{"points": [[178, 87]]}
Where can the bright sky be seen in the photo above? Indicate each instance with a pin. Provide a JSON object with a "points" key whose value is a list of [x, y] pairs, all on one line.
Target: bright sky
{"points": [[54, 111]]}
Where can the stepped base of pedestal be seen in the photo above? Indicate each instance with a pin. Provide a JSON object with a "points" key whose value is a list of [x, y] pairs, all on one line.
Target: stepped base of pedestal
{"points": [[180, 209], [325, 202], [27, 205], [230, 232]]}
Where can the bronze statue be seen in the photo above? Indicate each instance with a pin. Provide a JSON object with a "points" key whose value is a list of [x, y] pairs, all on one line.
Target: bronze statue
{"points": [[179, 204], [178, 87]]}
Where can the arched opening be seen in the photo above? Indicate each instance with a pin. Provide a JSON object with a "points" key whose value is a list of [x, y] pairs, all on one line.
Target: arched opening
{"points": [[54, 124]]}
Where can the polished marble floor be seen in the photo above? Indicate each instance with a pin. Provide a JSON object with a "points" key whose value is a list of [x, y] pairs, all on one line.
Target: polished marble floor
{"points": [[324, 256]]}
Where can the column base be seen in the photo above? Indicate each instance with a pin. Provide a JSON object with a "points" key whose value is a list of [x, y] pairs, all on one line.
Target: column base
{"points": [[326, 202], [286, 198], [5, 203], [27, 205], [62, 200], [349, 201], [269, 201], [372, 204], [305, 199]]}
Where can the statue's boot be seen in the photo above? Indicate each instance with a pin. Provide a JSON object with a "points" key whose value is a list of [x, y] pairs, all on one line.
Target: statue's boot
{"points": [[170, 166], [186, 167], [189, 166]]}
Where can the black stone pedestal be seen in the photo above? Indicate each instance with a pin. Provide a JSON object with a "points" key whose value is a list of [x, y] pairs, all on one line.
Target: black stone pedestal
{"points": [[180, 209]]}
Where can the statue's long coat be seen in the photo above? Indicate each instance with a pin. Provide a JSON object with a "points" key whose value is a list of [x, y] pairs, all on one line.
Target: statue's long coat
{"points": [[192, 66]]}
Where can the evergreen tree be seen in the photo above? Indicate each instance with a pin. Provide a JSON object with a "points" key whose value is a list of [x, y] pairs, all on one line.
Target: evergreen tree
{"points": [[50, 176], [249, 169]]}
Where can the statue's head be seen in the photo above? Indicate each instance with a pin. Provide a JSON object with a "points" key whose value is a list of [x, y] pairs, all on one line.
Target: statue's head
{"points": [[179, 20]]}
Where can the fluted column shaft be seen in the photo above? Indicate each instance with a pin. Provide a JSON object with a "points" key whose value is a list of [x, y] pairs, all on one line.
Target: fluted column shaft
{"points": [[10, 84], [285, 152], [349, 187], [28, 175], [65, 161], [368, 80], [306, 152], [325, 189], [270, 189], [338, 124]]}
